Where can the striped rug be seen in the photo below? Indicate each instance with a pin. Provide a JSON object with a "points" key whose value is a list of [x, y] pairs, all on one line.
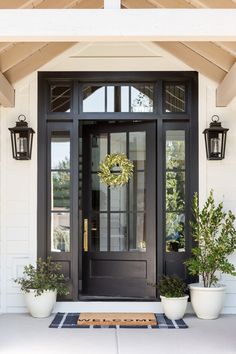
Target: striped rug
{"points": [[69, 320]]}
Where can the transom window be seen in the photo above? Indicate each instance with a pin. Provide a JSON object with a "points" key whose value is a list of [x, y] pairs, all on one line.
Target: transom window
{"points": [[136, 98]]}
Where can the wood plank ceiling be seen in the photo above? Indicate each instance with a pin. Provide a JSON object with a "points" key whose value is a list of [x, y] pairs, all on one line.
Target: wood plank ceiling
{"points": [[213, 59]]}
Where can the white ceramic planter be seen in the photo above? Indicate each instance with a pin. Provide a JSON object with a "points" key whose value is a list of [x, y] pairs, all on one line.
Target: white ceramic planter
{"points": [[42, 305], [207, 302], [174, 307]]}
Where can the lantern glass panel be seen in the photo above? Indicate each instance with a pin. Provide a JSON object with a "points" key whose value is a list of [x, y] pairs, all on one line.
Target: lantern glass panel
{"points": [[22, 145]]}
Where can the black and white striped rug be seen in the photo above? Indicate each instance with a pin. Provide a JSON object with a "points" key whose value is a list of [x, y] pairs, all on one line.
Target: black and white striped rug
{"points": [[69, 320]]}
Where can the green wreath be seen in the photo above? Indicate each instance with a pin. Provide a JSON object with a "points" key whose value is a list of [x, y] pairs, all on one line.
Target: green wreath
{"points": [[116, 160]]}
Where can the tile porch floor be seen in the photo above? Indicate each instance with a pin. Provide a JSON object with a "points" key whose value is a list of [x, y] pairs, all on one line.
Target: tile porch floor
{"points": [[22, 334]]}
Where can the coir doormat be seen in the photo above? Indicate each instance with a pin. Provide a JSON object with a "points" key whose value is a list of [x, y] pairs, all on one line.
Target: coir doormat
{"points": [[117, 319], [79, 320]]}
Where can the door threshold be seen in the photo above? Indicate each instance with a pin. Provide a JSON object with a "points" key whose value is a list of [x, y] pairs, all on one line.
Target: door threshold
{"points": [[112, 298]]}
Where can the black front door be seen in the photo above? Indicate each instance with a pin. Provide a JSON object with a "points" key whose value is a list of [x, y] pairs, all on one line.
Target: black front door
{"points": [[119, 223]]}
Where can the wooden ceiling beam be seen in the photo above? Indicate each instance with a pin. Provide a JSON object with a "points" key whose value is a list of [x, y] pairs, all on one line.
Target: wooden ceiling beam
{"points": [[36, 60], [7, 93], [112, 4], [212, 53], [226, 91], [91, 25], [194, 60]]}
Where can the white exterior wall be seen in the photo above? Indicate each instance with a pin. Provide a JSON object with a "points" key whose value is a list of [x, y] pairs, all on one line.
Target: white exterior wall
{"points": [[18, 179]]}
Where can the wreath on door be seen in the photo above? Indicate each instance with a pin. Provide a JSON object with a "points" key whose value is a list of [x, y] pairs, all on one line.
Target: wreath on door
{"points": [[111, 178]]}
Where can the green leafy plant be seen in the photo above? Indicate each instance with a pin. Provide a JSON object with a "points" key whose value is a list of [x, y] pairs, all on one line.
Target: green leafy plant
{"points": [[215, 235], [44, 276], [172, 286]]}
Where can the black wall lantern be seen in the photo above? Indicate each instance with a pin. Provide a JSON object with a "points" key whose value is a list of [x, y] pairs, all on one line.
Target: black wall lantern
{"points": [[215, 139], [21, 139]]}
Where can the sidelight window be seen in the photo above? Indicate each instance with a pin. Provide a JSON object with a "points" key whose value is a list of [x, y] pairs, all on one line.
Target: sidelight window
{"points": [[175, 190], [60, 192]]}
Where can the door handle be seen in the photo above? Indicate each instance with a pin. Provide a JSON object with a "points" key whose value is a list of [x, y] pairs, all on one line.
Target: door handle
{"points": [[85, 235]]}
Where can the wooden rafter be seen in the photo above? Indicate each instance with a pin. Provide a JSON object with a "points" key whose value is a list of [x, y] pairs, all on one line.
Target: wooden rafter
{"points": [[212, 53], [18, 53], [89, 4], [226, 91], [50, 4], [138, 4], [219, 4], [194, 60], [58, 4], [172, 4], [230, 47], [5, 46], [7, 94], [19, 4], [36, 60]]}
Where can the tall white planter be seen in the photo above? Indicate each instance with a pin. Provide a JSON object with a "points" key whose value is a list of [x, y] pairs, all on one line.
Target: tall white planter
{"points": [[174, 307], [42, 305], [207, 303]]}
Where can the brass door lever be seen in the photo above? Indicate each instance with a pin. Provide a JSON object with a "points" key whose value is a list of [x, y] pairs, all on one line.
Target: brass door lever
{"points": [[85, 235]]}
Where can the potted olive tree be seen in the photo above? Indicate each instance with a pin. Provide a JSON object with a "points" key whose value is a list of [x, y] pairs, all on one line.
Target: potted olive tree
{"points": [[41, 284], [173, 297], [215, 235]]}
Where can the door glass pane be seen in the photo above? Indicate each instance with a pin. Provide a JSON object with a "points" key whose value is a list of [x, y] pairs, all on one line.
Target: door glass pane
{"points": [[60, 98], [60, 190], [137, 190], [60, 232], [137, 236], [175, 98], [118, 198], [124, 98], [119, 234], [175, 232], [175, 149], [118, 143], [93, 99], [175, 191], [99, 194], [99, 149], [142, 98], [137, 149], [110, 99], [99, 232], [60, 150]]}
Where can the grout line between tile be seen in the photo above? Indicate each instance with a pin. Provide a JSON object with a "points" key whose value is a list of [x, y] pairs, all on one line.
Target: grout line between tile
{"points": [[117, 341]]}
